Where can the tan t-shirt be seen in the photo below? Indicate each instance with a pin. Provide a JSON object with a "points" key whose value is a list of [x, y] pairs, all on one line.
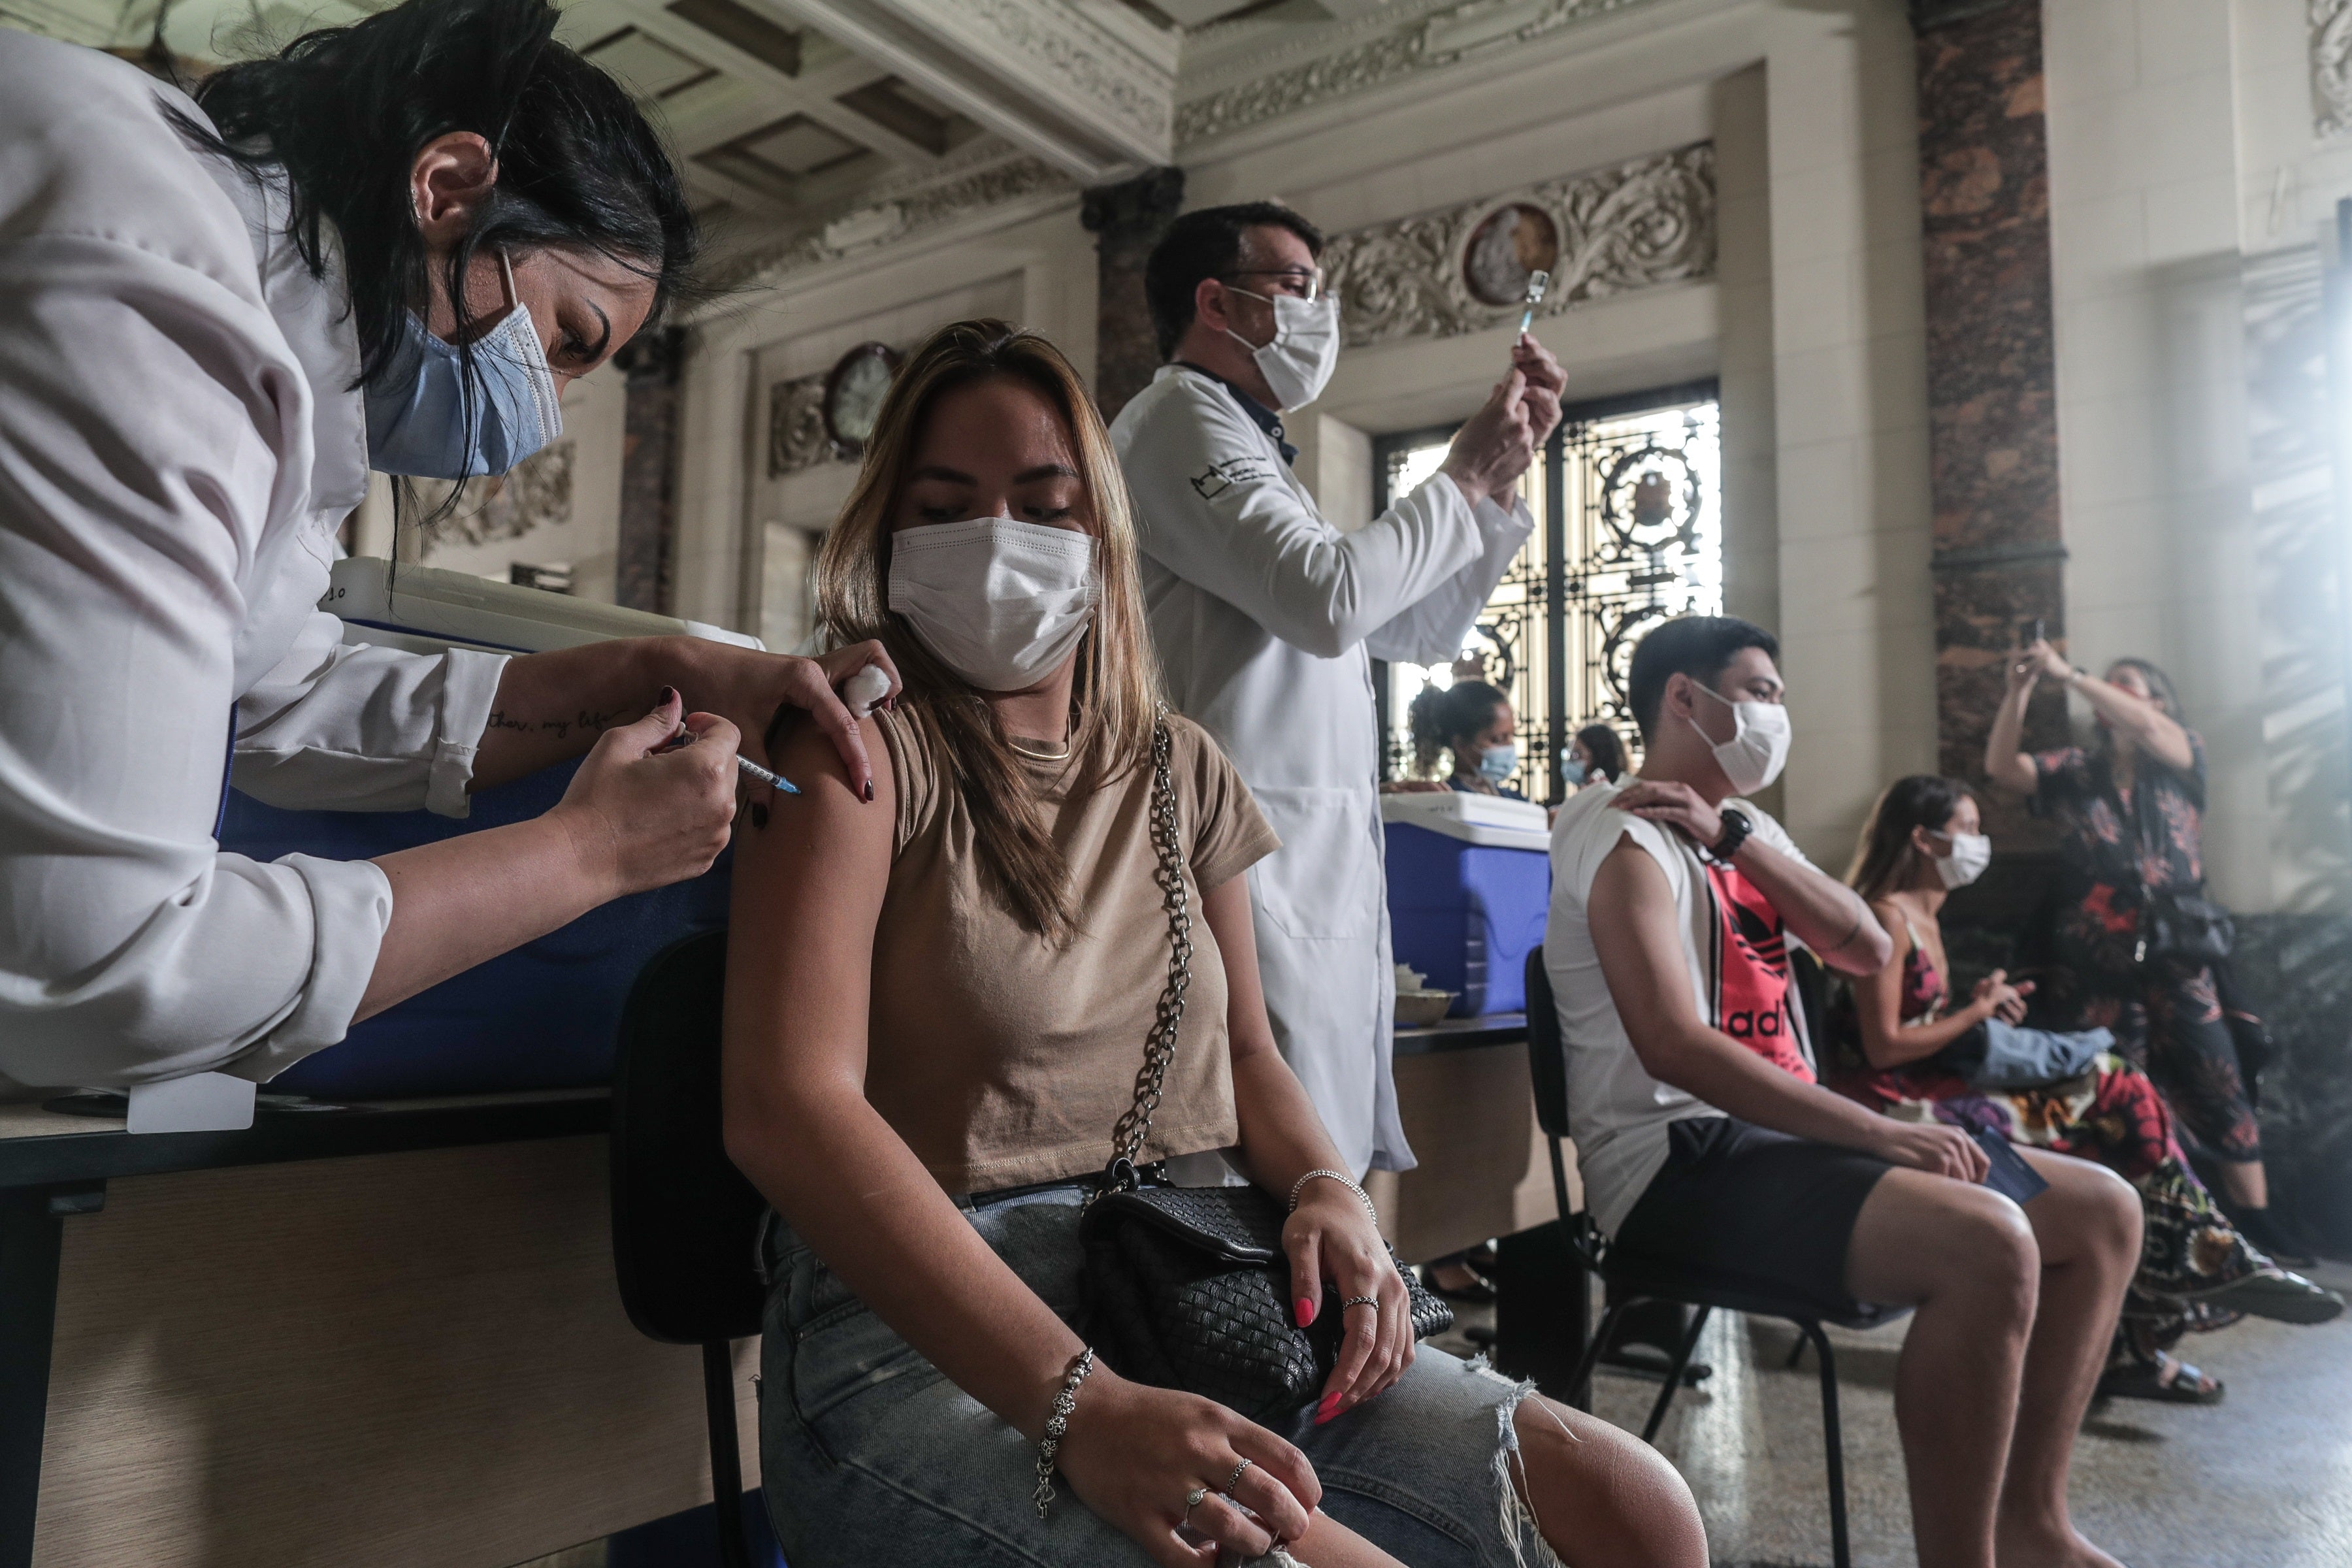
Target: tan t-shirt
{"points": [[1003, 1060]]}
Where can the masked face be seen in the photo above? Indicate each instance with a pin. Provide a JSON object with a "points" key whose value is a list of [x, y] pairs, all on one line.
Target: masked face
{"points": [[1000, 603], [1758, 747], [1299, 361], [1971, 853], [1574, 770], [1496, 764], [426, 418]]}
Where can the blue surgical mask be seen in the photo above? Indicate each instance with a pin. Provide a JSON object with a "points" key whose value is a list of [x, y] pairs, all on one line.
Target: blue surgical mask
{"points": [[416, 409], [1499, 762], [1574, 770]]}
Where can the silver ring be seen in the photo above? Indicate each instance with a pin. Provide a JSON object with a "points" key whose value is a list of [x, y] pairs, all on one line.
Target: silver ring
{"points": [[1236, 1476], [1371, 1301], [1192, 1500]]}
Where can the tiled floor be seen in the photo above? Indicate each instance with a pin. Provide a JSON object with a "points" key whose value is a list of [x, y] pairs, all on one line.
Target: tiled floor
{"points": [[2262, 1481]]}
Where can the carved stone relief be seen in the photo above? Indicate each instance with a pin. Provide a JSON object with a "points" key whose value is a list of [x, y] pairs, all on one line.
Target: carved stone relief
{"points": [[1442, 38], [1075, 53], [879, 222], [2331, 67], [796, 433], [537, 493], [1647, 222]]}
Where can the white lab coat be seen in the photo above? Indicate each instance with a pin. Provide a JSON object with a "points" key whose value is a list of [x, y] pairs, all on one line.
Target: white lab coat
{"points": [[178, 443], [1267, 619]]}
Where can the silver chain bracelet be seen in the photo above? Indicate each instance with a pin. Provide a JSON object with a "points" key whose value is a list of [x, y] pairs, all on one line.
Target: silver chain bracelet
{"points": [[1344, 1180], [1058, 1424]]}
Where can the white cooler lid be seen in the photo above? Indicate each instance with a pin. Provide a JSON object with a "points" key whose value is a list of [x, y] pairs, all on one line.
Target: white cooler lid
{"points": [[1490, 821], [425, 609]]}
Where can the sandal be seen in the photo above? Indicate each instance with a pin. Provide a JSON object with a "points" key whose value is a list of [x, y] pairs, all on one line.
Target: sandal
{"points": [[2281, 1297], [2170, 1380]]}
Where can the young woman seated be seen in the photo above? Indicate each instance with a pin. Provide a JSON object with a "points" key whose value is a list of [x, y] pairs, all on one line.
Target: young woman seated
{"points": [[937, 1005], [1892, 1042]]}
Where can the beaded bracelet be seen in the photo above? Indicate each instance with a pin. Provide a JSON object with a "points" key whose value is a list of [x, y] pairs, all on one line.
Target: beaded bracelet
{"points": [[1055, 1425], [1344, 1180]]}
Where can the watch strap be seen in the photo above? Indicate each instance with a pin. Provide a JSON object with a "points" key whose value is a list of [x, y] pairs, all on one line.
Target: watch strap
{"points": [[1736, 829]]}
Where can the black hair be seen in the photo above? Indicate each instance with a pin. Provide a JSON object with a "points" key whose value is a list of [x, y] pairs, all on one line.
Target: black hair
{"points": [[1701, 646], [1607, 752], [345, 111], [1207, 244], [1919, 800], [1439, 718]]}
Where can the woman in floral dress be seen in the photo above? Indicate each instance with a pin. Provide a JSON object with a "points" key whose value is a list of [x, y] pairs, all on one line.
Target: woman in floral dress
{"points": [[1891, 1047], [2129, 810]]}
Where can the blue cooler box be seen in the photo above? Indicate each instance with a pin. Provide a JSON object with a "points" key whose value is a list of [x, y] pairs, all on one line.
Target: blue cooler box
{"points": [[1469, 886], [545, 1015], [542, 1016]]}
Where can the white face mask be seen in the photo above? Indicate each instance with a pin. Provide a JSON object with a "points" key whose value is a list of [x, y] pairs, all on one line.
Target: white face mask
{"points": [[1757, 749], [1971, 853], [1000, 603], [1297, 364]]}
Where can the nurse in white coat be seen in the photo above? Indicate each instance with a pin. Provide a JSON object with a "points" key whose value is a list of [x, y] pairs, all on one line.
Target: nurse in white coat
{"points": [[1266, 617], [201, 351]]}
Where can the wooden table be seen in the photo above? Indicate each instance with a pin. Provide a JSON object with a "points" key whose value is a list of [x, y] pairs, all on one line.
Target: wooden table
{"points": [[1468, 1106], [380, 1334]]}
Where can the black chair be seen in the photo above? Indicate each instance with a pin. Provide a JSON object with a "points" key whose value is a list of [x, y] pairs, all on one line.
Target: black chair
{"points": [[685, 1222], [1634, 1279]]}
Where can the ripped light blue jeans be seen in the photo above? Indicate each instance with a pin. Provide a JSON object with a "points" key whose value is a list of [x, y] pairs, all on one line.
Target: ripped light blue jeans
{"points": [[872, 1459]]}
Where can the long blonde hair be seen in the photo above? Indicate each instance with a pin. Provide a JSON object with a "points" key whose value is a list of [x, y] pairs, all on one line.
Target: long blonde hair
{"points": [[1115, 689]]}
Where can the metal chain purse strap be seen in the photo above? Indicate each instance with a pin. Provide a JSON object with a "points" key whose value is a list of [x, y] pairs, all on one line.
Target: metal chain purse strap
{"points": [[1189, 1286]]}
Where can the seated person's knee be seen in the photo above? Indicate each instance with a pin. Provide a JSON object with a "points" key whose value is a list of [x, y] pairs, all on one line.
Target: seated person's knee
{"points": [[1989, 1242]]}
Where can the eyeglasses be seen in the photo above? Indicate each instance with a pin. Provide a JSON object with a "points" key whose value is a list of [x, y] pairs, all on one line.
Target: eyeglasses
{"points": [[1300, 283]]}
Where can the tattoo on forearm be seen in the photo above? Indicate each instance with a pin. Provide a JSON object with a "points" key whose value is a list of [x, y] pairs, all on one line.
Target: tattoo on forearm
{"points": [[584, 720]]}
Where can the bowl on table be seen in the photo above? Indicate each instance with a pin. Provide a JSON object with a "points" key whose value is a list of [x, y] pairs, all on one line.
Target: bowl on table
{"points": [[1415, 1008]]}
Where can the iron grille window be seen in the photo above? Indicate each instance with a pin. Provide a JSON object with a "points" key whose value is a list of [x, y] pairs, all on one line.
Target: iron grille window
{"points": [[1628, 533]]}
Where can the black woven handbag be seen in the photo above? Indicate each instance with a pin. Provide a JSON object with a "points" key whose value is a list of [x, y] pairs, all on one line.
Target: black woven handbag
{"points": [[1189, 1286]]}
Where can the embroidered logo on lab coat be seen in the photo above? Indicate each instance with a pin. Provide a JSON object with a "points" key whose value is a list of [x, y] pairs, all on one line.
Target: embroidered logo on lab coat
{"points": [[1220, 476]]}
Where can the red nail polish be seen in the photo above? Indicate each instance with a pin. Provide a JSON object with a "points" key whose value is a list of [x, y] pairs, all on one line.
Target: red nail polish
{"points": [[870, 790], [1328, 1409], [1306, 1312], [669, 695]]}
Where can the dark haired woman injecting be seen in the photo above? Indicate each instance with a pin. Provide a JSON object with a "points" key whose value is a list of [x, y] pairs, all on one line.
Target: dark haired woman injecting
{"points": [[388, 246], [1897, 1045]]}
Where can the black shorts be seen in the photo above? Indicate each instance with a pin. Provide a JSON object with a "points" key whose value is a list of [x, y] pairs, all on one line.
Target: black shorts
{"points": [[1757, 1208]]}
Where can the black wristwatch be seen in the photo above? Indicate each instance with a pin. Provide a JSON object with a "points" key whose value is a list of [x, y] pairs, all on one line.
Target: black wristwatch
{"points": [[1736, 829]]}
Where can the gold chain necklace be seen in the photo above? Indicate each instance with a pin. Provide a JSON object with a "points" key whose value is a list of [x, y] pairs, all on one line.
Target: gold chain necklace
{"points": [[1062, 756]]}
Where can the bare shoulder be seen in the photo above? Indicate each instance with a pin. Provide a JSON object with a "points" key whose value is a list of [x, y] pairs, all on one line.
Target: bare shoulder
{"points": [[826, 829]]}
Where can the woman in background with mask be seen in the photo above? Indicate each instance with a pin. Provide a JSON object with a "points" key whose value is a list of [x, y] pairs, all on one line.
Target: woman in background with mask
{"points": [[1892, 1047], [959, 1021], [389, 246], [1596, 756], [1472, 722]]}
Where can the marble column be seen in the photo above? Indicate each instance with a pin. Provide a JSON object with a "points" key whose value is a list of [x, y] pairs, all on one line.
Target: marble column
{"points": [[1984, 199], [1127, 220], [649, 441]]}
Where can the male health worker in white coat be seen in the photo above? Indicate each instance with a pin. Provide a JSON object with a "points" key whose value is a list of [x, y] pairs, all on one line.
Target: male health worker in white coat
{"points": [[1267, 617]]}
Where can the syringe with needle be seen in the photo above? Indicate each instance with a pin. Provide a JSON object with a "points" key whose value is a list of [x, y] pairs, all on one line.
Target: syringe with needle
{"points": [[1537, 282]]}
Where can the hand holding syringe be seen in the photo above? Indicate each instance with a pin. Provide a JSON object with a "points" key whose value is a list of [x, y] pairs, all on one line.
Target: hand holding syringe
{"points": [[860, 693]]}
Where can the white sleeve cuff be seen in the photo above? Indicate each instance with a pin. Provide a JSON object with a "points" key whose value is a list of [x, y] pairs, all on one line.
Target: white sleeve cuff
{"points": [[1514, 523], [468, 685], [350, 906]]}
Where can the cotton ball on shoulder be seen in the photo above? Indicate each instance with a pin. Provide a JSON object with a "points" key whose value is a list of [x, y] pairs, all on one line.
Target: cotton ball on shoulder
{"points": [[864, 690]]}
